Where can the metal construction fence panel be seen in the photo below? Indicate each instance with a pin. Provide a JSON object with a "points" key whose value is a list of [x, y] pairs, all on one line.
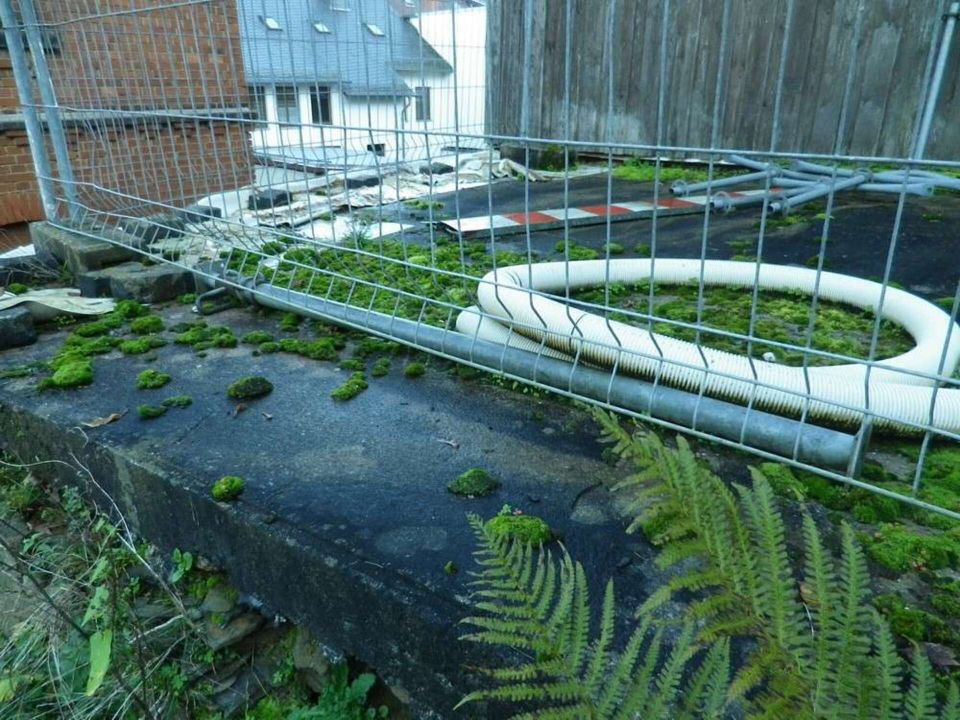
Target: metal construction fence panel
{"points": [[348, 160]]}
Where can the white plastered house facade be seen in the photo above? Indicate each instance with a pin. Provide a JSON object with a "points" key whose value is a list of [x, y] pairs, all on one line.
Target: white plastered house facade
{"points": [[339, 82]]}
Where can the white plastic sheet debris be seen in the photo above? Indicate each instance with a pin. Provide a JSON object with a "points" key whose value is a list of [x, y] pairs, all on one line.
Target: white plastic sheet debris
{"points": [[47, 304]]}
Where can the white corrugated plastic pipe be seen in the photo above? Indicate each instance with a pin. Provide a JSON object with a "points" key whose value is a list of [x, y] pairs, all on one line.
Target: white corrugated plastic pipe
{"points": [[897, 399]]}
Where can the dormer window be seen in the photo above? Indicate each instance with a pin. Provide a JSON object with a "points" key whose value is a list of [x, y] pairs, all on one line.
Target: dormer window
{"points": [[270, 23]]}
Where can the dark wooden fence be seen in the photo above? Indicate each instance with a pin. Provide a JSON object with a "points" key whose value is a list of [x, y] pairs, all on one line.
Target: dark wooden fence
{"points": [[889, 65]]}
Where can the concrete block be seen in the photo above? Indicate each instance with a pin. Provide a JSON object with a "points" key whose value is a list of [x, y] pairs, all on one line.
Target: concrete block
{"points": [[78, 253], [199, 213], [264, 199], [16, 328], [136, 281], [436, 168]]}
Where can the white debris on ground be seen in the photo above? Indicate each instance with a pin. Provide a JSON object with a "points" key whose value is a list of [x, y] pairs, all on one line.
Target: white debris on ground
{"points": [[332, 208]]}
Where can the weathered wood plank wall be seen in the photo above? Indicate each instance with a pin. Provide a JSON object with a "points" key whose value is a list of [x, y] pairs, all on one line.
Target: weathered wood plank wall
{"points": [[887, 81]]}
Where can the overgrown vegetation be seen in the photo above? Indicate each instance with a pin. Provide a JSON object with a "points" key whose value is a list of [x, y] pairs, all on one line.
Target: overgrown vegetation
{"points": [[95, 626], [780, 317], [637, 170], [818, 648]]}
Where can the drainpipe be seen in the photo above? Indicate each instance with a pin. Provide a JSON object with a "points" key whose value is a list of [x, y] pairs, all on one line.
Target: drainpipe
{"points": [[820, 190], [681, 187], [51, 109], [35, 135], [814, 445], [937, 80]]}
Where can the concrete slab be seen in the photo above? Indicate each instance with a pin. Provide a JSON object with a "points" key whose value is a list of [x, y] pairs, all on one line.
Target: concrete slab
{"points": [[78, 253], [136, 281], [345, 524], [16, 328]]}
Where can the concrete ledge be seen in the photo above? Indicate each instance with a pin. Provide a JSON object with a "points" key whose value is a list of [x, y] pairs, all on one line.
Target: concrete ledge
{"points": [[345, 524], [77, 252], [136, 281]]}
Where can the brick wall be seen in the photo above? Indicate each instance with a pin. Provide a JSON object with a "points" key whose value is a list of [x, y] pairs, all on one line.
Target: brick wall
{"points": [[185, 59]]}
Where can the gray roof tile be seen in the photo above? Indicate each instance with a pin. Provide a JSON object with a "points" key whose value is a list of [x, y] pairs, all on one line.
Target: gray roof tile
{"points": [[349, 56]]}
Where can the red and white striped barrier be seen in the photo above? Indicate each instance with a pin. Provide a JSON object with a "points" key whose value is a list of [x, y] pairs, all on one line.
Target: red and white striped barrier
{"points": [[536, 220]]}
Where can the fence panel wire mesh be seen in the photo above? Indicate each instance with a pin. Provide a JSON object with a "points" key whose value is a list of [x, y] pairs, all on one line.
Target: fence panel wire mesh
{"points": [[349, 159]]}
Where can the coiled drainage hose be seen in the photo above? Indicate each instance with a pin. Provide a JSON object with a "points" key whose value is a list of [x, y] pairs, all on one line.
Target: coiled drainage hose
{"points": [[508, 298]]}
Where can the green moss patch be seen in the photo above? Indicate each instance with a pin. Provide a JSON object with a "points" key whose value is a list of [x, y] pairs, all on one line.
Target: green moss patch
{"points": [[902, 548], [201, 336], [257, 337], [150, 412], [415, 370], [268, 347], [227, 488], [380, 367], [71, 374], [913, 623], [525, 528], [146, 325], [290, 322], [178, 401], [326, 348], [152, 379], [17, 288], [780, 317], [187, 299], [573, 251], [351, 364], [249, 388], [142, 345], [355, 385], [474, 483]]}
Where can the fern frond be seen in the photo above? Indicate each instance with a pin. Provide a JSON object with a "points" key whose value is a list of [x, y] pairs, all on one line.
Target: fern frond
{"points": [[849, 633], [951, 708], [677, 552], [887, 674], [777, 593], [662, 700], [920, 702], [600, 653], [820, 581], [705, 695]]}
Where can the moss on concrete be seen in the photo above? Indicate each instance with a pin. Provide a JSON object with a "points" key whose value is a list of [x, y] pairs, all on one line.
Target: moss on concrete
{"points": [[351, 364], [201, 336], [249, 388], [178, 401], [227, 488], [150, 412], [355, 385], [380, 367], [475, 482], [71, 374], [256, 337], [17, 288], [415, 370], [152, 379], [902, 548], [513, 524], [146, 325], [142, 345], [130, 309]]}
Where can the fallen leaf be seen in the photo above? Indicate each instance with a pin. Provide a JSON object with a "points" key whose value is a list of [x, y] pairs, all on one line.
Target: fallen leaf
{"points": [[452, 443], [101, 421], [239, 409], [267, 416]]}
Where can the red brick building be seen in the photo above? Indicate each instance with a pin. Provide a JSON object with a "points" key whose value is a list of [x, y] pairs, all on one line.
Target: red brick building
{"points": [[153, 102]]}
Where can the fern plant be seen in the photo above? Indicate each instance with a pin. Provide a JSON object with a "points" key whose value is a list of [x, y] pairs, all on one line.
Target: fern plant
{"points": [[822, 651], [537, 604]]}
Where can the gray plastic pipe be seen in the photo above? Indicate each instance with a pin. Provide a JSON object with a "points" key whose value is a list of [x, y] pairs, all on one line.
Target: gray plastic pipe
{"points": [[681, 187], [937, 80], [819, 190], [774, 434]]}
